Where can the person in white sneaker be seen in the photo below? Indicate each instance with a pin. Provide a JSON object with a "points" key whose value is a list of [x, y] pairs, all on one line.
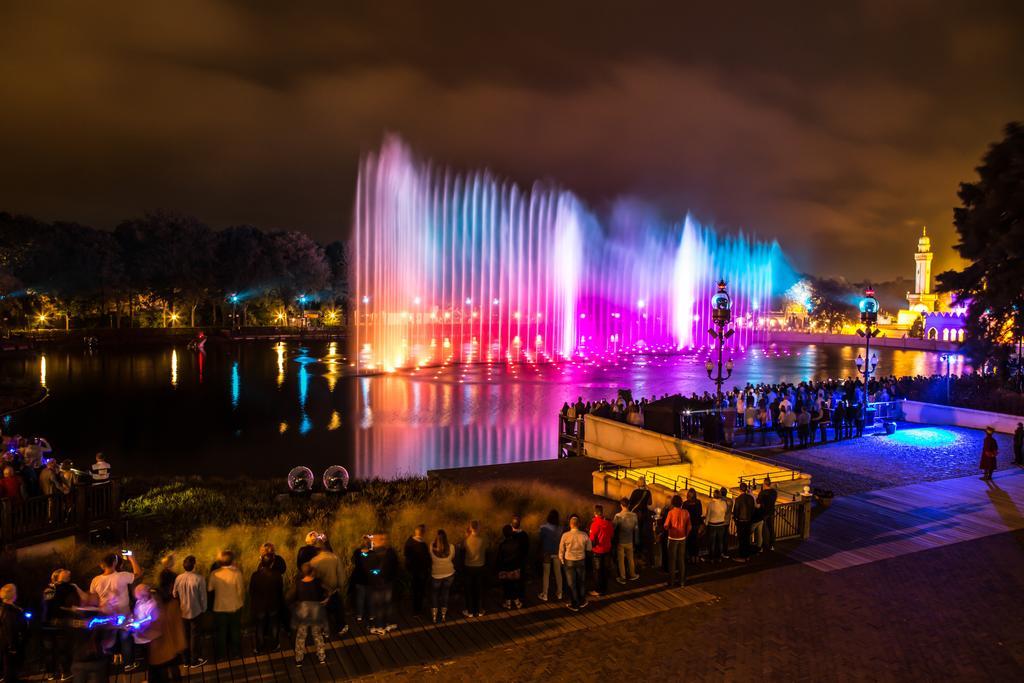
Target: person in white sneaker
{"points": [[572, 552], [626, 527]]}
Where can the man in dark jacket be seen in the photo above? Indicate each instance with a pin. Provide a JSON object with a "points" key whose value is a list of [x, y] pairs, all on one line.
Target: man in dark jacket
{"points": [[417, 563], [523, 538], [766, 507], [382, 566], [266, 601], [743, 516], [13, 626]]}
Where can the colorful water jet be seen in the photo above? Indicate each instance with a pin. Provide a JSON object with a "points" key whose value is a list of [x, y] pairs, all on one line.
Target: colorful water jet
{"points": [[466, 267]]}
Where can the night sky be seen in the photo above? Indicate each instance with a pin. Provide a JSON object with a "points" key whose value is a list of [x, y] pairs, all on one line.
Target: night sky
{"points": [[839, 132]]}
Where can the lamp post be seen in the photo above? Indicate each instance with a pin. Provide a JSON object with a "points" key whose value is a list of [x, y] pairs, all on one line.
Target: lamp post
{"points": [[233, 299], [302, 299], [947, 358], [721, 315], [866, 365]]}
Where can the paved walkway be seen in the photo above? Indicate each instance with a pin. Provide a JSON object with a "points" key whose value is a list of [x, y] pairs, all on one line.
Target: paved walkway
{"points": [[420, 645], [877, 525]]}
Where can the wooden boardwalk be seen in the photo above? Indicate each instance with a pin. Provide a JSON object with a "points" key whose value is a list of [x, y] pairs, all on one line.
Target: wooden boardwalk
{"points": [[418, 643], [878, 525]]}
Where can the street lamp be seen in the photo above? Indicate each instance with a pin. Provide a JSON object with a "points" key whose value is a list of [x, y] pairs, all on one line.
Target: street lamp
{"points": [[302, 299], [721, 315], [947, 359], [866, 365], [233, 300]]}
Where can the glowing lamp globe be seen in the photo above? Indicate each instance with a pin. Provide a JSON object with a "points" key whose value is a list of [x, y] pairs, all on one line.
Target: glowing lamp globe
{"points": [[869, 308], [721, 305]]}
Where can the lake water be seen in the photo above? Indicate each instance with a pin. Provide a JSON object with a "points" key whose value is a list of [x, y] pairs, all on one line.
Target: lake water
{"points": [[264, 408]]}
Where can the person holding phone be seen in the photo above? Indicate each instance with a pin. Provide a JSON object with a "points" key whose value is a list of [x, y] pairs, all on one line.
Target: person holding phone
{"points": [[110, 590]]}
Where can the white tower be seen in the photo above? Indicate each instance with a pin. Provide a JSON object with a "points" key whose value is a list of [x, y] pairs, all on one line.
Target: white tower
{"points": [[922, 299]]}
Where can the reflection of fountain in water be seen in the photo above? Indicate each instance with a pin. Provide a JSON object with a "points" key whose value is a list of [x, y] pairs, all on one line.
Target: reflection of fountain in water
{"points": [[452, 267]]}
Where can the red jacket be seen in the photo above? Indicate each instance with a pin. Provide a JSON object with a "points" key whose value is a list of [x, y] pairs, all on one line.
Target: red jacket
{"points": [[601, 535], [677, 524]]}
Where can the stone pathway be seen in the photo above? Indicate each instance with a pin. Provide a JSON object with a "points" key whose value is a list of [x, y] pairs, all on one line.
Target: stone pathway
{"points": [[877, 525], [915, 453]]}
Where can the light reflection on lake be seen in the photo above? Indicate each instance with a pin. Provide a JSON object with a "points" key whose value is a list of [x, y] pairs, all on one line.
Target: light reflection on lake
{"points": [[264, 408]]}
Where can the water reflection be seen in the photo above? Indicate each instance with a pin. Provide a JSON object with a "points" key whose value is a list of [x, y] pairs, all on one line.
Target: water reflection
{"points": [[118, 401], [236, 384], [280, 347]]}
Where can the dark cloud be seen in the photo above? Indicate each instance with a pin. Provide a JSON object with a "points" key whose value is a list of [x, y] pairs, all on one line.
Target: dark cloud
{"points": [[838, 129]]}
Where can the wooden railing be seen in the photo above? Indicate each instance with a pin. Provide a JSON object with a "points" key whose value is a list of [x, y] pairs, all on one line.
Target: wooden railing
{"points": [[87, 508]]}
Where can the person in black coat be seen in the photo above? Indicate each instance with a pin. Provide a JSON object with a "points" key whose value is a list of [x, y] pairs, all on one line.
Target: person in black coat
{"points": [[266, 602], [510, 563], [359, 581], [382, 565], [417, 562], [13, 628]]}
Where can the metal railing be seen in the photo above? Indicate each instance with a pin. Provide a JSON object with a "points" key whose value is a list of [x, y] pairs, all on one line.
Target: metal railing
{"points": [[677, 483], [887, 410], [86, 508]]}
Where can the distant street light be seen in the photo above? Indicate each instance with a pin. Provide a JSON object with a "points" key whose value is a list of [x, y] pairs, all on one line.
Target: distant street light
{"points": [[947, 359], [721, 316], [233, 299], [866, 365], [302, 299]]}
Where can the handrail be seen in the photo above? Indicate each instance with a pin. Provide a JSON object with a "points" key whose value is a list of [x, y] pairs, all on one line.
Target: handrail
{"points": [[792, 475], [76, 511], [621, 472]]}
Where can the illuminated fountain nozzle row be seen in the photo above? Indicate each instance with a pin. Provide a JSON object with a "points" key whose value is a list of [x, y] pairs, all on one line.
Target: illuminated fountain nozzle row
{"points": [[451, 267]]}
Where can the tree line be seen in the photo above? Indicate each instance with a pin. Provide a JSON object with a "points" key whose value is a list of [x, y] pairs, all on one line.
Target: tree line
{"points": [[162, 269]]}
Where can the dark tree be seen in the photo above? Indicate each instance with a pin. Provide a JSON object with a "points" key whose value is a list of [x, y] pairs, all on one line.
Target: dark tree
{"points": [[990, 225], [298, 265], [831, 303], [170, 255]]}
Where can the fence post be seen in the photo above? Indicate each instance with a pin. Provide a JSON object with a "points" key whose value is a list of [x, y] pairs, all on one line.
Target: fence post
{"points": [[81, 510], [805, 518], [115, 508], [6, 524]]}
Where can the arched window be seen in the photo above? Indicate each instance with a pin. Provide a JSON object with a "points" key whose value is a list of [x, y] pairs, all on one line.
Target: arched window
{"points": [[945, 334], [960, 335], [933, 333]]}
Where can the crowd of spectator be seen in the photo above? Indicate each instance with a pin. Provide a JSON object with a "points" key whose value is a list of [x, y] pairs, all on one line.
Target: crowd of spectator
{"points": [[30, 471], [123, 622]]}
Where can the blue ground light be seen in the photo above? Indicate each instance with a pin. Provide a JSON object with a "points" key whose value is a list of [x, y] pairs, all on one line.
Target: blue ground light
{"points": [[925, 437], [913, 454]]}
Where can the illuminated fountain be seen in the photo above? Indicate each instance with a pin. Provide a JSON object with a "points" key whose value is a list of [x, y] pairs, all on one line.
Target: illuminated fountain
{"points": [[466, 267]]}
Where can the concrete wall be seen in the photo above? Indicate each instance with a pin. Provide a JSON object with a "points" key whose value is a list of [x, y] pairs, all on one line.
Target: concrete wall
{"points": [[854, 340], [608, 486], [935, 414], [622, 444]]}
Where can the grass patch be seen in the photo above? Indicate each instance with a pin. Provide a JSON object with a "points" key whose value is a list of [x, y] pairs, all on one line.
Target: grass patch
{"points": [[201, 517]]}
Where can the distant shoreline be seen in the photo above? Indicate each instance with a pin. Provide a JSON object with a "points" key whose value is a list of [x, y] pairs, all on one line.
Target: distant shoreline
{"points": [[149, 336]]}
